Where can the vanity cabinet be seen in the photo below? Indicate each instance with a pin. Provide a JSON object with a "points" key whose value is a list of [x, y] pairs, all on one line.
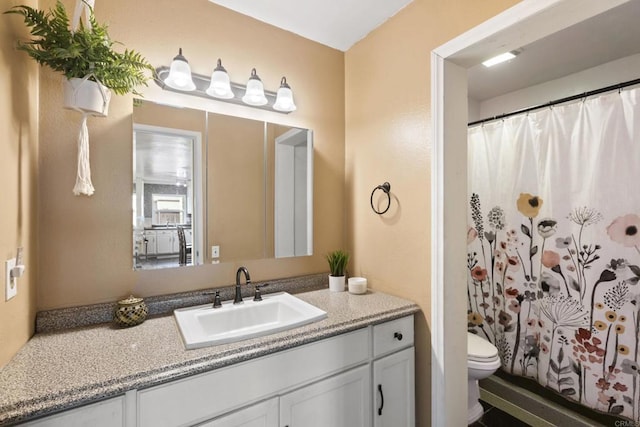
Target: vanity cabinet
{"points": [[320, 384]]}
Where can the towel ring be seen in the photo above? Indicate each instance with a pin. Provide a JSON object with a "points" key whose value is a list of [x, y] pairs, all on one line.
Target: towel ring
{"points": [[386, 187]]}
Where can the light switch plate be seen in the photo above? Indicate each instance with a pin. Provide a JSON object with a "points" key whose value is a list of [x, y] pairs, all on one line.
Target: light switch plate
{"points": [[215, 251], [11, 284]]}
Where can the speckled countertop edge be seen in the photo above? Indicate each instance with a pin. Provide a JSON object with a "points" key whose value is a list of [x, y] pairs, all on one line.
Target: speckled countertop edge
{"points": [[60, 370]]}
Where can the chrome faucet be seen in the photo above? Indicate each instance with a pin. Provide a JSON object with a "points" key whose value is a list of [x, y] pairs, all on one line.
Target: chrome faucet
{"points": [[238, 298]]}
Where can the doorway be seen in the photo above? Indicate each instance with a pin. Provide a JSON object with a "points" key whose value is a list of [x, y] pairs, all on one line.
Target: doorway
{"points": [[520, 25]]}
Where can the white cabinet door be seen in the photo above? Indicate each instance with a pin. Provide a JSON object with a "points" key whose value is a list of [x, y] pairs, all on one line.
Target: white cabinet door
{"points": [[394, 390], [175, 242], [108, 413], [164, 242], [340, 401], [149, 247], [263, 414]]}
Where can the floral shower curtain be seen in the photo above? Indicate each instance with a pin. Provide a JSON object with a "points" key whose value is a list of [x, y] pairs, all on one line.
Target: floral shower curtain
{"points": [[554, 247]]}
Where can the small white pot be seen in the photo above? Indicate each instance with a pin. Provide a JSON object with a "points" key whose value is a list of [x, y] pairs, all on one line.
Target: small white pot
{"points": [[87, 96], [336, 283]]}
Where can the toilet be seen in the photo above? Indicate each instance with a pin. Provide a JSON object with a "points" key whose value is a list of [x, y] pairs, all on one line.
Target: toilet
{"points": [[482, 361]]}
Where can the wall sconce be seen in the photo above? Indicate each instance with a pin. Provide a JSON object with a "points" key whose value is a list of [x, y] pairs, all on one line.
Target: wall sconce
{"points": [[178, 78]]}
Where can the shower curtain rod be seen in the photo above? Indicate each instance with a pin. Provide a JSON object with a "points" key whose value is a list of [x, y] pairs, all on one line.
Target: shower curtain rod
{"points": [[559, 101]]}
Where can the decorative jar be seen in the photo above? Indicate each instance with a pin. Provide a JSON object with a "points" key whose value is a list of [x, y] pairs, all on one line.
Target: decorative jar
{"points": [[130, 311]]}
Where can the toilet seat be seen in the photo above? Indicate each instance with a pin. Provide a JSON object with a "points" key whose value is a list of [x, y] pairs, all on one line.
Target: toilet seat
{"points": [[480, 350]]}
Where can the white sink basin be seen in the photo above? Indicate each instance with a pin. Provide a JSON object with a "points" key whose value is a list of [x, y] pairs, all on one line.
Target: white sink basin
{"points": [[203, 325]]}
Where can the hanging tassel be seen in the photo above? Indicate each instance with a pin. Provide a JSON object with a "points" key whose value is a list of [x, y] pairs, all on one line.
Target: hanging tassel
{"points": [[83, 180]]}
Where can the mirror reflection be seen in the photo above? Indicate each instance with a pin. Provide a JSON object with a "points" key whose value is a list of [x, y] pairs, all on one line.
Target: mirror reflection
{"points": [[167, 229], [213, 188]]}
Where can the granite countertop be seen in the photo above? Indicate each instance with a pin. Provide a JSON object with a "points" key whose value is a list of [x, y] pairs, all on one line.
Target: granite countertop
{"points": [[63, 369]]}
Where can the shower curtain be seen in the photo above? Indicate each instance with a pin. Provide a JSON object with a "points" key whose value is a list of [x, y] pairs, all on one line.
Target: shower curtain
{"points": [[554, 247]]}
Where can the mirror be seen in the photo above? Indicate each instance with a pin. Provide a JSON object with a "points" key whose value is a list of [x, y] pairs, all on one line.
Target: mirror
{"points": [[168, 213], [213, 188]]}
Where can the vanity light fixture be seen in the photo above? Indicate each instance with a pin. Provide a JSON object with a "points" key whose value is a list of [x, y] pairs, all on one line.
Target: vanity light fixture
{"points": [[220, 86], [254, 94], [179, 78], [500, 58], [284, 99], [180, 74]]}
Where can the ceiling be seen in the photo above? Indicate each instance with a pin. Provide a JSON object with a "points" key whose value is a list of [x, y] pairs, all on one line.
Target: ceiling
{"points": [[337, 24], [612, 35], [609, 36]]}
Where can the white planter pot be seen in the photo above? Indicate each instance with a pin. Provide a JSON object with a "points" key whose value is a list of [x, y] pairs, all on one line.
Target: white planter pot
{"points": [[336, 283], [87, 96]]}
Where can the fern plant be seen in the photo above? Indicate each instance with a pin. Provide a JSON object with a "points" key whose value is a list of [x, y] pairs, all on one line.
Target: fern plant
{"points": [[82, 52], [338, 261]]}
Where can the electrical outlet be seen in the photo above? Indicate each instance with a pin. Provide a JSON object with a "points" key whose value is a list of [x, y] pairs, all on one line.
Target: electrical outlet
{"points": [[215, 251], [11, 283]]}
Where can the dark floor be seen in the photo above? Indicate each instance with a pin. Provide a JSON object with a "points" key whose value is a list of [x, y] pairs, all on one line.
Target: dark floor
{"points": [[494, 417]]}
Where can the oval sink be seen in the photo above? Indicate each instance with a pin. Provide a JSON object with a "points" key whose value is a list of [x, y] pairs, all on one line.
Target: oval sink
{"points": [[203, 325]]}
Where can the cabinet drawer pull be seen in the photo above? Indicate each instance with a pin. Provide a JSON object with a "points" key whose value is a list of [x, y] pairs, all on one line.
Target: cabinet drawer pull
{"points": [[381, 399], [398, 336]]}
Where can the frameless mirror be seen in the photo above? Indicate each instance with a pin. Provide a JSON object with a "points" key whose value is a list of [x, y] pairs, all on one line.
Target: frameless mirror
{"points": [[212, 188], [167, 201]]}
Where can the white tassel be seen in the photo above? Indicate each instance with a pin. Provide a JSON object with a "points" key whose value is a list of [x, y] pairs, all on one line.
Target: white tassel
{"points": [[83, 180]]}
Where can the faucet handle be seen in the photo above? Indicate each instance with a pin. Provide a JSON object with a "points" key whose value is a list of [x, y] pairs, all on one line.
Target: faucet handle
{"points": [[258, 296], [217, 302]]}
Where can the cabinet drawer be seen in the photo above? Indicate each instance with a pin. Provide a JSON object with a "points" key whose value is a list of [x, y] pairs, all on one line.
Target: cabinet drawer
{"points": [[211, 394], [392, 336]]}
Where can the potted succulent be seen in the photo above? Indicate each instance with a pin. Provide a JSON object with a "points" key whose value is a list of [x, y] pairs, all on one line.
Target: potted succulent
{"points": [[84, 54], [338, 261]]}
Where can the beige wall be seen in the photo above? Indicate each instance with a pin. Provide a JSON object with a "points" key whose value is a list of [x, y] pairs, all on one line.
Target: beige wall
{"points": [[236, 187], [387, 80], [18, 163], [85, 242]]}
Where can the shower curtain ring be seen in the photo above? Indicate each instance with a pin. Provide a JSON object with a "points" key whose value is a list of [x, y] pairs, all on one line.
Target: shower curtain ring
{"points": [[386, 187]]}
